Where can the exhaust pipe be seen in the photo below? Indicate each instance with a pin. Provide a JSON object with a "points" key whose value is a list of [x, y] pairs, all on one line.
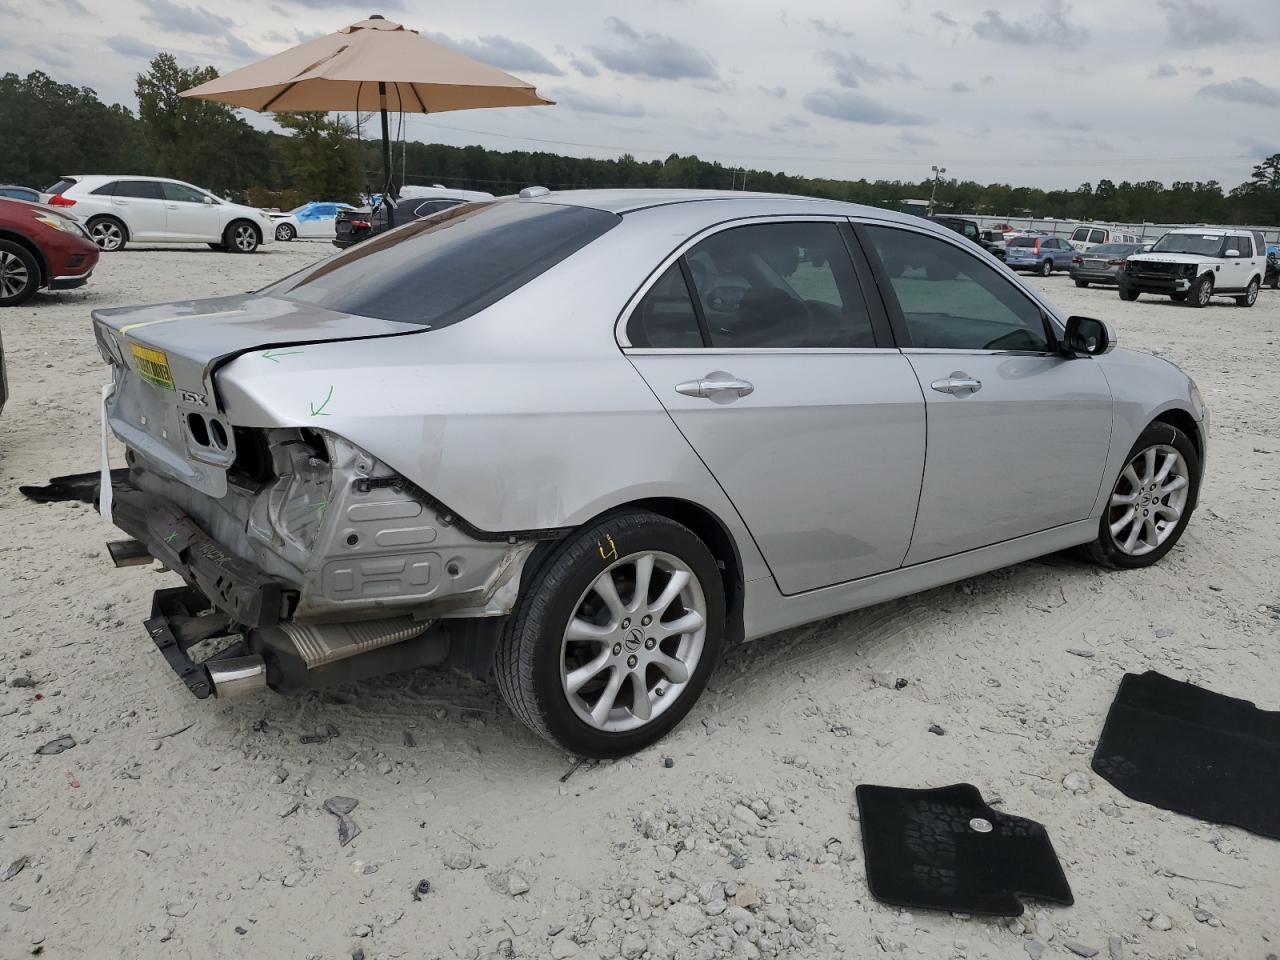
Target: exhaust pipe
{"points": [[237, 676]]}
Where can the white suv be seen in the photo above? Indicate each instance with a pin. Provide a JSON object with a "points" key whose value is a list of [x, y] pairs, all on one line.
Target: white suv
{"points": [[1192, 264], [116, 210]]}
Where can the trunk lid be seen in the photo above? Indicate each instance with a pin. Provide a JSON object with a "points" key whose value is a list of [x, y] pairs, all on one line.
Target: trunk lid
{"points": [[163, 403]]}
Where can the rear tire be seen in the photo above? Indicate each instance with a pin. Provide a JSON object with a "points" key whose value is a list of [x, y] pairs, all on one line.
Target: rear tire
{"points": [[1046, 268], [1251, 294], [1200, 292], [108, 233], [562, 627], [241, 236], [1127, 294], [1082, 283], [1178, 297], [1149, 487], [19, 274]]}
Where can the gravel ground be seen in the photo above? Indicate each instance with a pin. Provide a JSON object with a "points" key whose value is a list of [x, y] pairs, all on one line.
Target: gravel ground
{"points": [[178, 828]]}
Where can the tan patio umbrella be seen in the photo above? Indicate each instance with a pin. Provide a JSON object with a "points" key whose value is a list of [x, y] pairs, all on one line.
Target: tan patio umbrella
{"points": [[371, 65]]}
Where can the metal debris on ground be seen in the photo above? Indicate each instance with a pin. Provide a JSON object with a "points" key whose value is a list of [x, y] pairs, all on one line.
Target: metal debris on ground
{"points": [[580, 762], [668, 762], [421, 889], [936, 730], [409, 741], [341, 808], [54, 747], [330, 732]]}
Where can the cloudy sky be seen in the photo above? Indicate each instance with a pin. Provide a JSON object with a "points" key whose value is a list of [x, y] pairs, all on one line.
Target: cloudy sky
{"points": [[1040, 92]]}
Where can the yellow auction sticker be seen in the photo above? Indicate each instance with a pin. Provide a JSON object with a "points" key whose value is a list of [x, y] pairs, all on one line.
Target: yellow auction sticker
{"points": [[152, 366]]}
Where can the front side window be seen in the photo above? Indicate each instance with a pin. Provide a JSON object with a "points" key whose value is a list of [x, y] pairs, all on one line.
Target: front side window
{"points": [[138, 190], [780, 286], [436, 272], [181, 193], [1081, 235], [665, 318], [951, 300], [971, 230]]}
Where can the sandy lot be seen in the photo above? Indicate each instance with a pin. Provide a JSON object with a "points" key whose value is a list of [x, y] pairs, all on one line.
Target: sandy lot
{"points": [[185, 829]]}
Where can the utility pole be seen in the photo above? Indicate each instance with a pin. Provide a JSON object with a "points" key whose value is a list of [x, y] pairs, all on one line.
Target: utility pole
{"points": [[933, 195]]}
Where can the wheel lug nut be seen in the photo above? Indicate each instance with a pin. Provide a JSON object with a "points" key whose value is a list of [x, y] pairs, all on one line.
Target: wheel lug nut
{"points": [[646, 620], [631, 661], [617, 649], [650, 643], [626, 623]]}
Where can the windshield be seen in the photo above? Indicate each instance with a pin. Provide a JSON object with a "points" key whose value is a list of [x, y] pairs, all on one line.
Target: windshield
{"points": [[438, 271], [1199, 244]]}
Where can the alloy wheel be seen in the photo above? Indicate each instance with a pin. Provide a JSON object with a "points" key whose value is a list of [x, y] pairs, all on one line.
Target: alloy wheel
{"points": [[1203, 292], [244, 238], [284, 232], [1251, 295], [107, 235], [14, 275], [1149, 499], [634, 641]]}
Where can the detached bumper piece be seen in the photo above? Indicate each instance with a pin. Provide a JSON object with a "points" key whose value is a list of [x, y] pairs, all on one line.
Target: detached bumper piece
{"points": [[180, 619]]}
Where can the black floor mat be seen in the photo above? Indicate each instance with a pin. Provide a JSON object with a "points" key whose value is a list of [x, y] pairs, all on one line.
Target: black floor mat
{"points": [[79, 486], [945, 849], [1181, 747]]}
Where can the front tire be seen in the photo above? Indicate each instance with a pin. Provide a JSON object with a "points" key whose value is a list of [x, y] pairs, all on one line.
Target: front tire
{"points": [[108, 233], [614, 635], [1129, 295], [1151, 501], [1082, 283], [1250, 296], [285, 232], [241, 236], [19, 274], [1200, 292]]}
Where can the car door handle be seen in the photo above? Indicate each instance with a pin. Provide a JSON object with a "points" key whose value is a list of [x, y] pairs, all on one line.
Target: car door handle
{"points": [[714, 384], [958, 385]]}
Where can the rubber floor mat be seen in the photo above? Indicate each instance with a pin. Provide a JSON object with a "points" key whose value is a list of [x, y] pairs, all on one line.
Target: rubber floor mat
{"points": [[945, 849], [1187, 749]]}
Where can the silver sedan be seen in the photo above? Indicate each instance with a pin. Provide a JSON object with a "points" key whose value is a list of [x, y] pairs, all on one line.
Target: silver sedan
{"points": [[581, 441]]}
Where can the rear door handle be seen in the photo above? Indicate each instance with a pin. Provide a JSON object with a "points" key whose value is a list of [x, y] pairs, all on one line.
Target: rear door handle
{"points": [[958, 385], [714, 384]]}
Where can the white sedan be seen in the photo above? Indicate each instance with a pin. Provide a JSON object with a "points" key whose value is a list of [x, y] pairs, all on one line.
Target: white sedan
{"points": [[311, 221], [117, 209]]}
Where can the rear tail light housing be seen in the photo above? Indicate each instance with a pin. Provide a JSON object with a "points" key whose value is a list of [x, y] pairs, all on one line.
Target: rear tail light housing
{"points": [[58, 200], [1115, 263], [361, 225], [1037, 246], [1077, 259]]}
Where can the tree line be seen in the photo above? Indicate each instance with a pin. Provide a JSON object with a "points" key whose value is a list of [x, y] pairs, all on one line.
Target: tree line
{"points": [[67, 129]]}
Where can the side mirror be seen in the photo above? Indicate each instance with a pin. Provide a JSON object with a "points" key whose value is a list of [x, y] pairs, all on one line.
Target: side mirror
{"points": [[1088, 337], [1232, 253]]}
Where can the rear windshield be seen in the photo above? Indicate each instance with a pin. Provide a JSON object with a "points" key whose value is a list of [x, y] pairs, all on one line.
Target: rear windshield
{"points": [[439, 271], [1106, 248], [1023, 242], [61, 185]]}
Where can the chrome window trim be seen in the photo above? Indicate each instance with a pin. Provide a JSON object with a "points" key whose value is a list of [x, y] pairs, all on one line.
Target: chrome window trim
{"points": [[620, 326], [750, 351], [969, 352]]}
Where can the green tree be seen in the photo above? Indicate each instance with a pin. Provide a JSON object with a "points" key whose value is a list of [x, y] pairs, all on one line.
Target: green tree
{"points": [[321, 157]]}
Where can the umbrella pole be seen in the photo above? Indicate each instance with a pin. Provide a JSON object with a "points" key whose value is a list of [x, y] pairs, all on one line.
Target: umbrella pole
{"points": [[386, 156]]}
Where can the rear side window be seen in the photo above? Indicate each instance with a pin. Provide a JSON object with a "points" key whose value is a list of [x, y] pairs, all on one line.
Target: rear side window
{"points": [[61, 185], [665, 318], [138, 189], [951, 300], [106, 190], [779, 286], [439, 271]]}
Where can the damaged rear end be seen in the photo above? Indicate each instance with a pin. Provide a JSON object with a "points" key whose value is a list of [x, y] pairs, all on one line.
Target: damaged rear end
{"points": [[306, 559]]}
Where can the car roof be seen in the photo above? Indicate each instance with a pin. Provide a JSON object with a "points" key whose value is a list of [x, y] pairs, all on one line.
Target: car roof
{"points": [[737, 203], [1209, 231]]}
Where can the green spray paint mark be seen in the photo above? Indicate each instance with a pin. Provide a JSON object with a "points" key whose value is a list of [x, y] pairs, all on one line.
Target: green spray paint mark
{"points": [[273, 354], [319, 411]]}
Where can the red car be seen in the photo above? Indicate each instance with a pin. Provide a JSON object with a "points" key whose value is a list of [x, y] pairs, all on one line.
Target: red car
{"points": [[41, 247]]}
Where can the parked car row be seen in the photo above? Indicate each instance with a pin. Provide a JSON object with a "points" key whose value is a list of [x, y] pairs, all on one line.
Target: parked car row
{"points": [[414, 203]]}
